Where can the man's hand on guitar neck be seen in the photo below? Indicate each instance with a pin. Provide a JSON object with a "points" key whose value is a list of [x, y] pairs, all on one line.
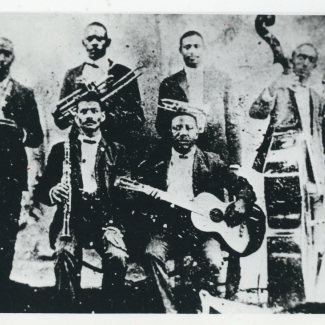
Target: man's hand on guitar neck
{"points": [[235, 213]]}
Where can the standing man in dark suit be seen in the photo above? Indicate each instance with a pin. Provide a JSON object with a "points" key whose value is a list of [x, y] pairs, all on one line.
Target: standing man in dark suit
{"points": [[96, 205], [185, 171], [19, 127], [124, 114], [209, 90], [291, 157]]}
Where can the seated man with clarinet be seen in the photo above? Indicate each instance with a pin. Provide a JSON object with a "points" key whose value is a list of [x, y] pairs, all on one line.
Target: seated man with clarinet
{"points": [[20, 127], [185, 220], [79, 178]]}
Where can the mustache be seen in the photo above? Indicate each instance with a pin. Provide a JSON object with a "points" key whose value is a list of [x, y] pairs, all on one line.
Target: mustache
{"points": [[91, 121], [183, 138]]}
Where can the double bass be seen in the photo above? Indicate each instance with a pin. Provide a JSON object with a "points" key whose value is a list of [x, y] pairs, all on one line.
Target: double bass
{"points": [[292, 252]]}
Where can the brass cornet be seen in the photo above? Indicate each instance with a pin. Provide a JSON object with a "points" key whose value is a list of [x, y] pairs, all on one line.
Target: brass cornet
{"points": [[66, 107]]}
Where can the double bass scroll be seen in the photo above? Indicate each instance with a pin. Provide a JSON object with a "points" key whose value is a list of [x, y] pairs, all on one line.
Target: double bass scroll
{"points": [[263, 21]]}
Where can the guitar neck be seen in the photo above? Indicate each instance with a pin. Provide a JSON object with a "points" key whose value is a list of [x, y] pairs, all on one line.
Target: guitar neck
{"points": [[165, 196]]}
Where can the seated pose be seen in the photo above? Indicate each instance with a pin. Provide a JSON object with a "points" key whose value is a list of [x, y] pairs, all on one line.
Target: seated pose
{"points": [[178, 177], [79, 178]]}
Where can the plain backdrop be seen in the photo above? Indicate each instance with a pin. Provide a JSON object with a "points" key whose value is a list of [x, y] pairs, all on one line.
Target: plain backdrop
{"points": [[48, 44]]}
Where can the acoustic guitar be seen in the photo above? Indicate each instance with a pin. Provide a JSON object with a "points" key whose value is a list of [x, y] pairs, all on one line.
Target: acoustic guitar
{"points": [[205, 210]]}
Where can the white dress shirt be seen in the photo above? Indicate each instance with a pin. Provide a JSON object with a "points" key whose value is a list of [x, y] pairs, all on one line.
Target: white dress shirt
{"points": [[88, 160], [194, 77], [3, 94], [96, 71], [195, 81], [180, 175], [87, 163], [302, 95]]}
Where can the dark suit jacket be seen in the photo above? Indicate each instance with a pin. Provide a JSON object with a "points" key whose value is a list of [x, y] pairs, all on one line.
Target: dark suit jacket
{"points": [[210, 174], [221, 134], [125, 105], [110, 163], [261, 109], [21, 107]]}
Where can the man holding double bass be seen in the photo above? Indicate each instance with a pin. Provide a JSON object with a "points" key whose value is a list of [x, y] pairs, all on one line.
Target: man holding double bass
{"points": [[291, 157], [19, 127], [184, 172]]}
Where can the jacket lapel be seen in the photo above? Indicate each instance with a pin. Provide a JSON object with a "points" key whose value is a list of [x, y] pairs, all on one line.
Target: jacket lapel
{"points": [[103, 165], [75, 163], [12, 95], [182, 82], [200, 171], [159, 171]]}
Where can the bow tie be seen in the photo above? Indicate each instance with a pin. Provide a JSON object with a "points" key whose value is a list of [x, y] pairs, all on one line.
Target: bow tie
{"points": [[94, 65], [89, 141], [183, 157]]}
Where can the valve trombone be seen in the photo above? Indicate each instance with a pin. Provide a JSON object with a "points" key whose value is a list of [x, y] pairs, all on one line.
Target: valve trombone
{"points": [[66, 107]]}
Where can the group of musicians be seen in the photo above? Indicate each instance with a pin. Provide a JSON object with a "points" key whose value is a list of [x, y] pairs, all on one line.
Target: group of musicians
{"points": [[198, 151]]}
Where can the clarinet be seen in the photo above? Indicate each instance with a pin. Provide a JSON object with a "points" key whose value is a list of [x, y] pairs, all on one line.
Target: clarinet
{"points": [[66, 179]]}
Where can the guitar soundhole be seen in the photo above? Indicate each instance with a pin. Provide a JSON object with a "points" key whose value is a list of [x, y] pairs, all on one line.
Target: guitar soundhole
{"points": [[216, 215]]}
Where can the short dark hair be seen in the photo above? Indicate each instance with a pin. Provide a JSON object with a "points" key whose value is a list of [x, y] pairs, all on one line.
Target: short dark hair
{"points": [[306, 44], [91, 96], [188, 34], [96, 23]]}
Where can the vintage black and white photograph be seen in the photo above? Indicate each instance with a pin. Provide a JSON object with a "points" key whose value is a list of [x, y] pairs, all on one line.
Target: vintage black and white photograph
{"points": [[162, 163]]}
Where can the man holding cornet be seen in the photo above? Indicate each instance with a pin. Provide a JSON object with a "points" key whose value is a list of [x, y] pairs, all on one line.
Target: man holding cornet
{"points": [[79, 179], [123, 110]]}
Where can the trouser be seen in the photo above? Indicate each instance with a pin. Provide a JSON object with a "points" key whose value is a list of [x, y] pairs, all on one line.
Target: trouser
{"points": [[68, 264], [202, 265], [10, 207], [68, 256]]}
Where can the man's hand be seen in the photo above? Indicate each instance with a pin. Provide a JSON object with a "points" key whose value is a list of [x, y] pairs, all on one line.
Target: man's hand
{"points": [[235, 213], [284, 81], [60, 193], [114, 237], [81, 80]]}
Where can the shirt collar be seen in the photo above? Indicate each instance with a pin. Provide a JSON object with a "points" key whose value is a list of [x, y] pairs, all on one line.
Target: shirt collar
{"points": [[103, 62], [96, 138], [189, 154], [191, 71]]}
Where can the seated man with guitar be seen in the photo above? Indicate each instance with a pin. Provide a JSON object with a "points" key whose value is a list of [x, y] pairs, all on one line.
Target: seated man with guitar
{"points": [[194, 181]]}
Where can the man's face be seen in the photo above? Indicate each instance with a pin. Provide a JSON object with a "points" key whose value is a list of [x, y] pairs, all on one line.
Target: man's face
{"points": [[192, 50], [89, 116], [6, 58], [304, 61], [95, 42], [184, 133]]}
